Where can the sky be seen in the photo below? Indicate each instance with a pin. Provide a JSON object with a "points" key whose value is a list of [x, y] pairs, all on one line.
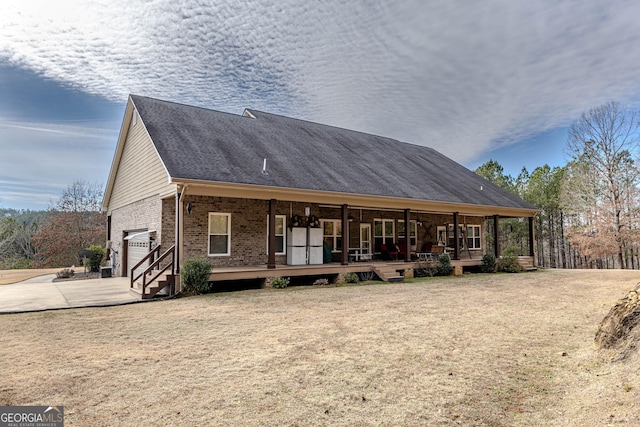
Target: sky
{"points": [[481, 80]]}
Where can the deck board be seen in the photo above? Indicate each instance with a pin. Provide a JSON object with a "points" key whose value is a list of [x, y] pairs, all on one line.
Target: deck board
{"points": [[262, 272]]}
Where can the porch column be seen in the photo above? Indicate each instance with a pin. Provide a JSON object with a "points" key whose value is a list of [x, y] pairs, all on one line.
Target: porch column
{"points": [[496, 237], [345, 235], [271, 245], [178, 242], [407, 237], [531, 237], [456, 239]]}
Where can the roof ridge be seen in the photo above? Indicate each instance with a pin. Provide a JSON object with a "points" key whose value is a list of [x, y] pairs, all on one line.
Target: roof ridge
{"points": [[181, 104], [252, 110], [333, 126]]}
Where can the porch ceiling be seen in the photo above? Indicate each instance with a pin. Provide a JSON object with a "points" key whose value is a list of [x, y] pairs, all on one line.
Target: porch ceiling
{"points": [[217, 189]]}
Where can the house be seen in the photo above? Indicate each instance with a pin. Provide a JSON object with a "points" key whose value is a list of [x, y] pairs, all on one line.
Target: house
{"points": [[191, 182]]}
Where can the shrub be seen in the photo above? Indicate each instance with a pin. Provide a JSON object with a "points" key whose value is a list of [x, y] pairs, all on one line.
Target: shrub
{"points": [[321, 282], [426, 267], [95, 260], [444, 267], [280, 282], [64, 273], [508, 262], [351, 278], [15, 263], [194, 275], [488, 263]]}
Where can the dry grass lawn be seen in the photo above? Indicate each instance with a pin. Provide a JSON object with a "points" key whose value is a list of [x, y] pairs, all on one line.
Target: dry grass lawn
{"points": [[14, 276], [482, 350]]}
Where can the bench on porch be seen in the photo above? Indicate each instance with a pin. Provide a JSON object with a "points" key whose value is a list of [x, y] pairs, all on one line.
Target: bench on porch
{"points": [[360, 254]]}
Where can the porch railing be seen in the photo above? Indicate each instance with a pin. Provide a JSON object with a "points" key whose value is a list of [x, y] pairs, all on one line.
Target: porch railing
{"points": [[155, 265]]}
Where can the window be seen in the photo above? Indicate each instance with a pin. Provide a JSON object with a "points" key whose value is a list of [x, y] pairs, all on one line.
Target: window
{"points": [[219, 234], [281, 237], [413, 232], [473, 237], [451, 241], [332, 233], [383, 232]]}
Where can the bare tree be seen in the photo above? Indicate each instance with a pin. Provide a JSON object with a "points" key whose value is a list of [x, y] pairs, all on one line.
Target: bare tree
{"points": [[16, 249], [80, 196], [543, 191], [602, 179], [73, 223]]}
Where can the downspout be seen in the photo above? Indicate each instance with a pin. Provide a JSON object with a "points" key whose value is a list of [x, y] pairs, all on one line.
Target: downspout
{"points": [[176, 253], [109, 243], [179, 227]]}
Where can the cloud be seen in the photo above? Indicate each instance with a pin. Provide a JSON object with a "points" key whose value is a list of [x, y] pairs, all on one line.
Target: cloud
{"points": [[462, 77], [39, 160], [57, 129]]}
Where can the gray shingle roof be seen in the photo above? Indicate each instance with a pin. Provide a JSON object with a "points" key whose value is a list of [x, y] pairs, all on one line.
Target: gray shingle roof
{"points": [[200, 144]]}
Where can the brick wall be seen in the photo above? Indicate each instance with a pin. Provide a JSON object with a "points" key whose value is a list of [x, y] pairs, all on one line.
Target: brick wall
{"points": [[141, 215], [249, 226]]}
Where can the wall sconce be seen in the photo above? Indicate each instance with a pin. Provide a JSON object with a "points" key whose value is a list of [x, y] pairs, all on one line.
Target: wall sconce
{"points": [[307, 211], [189, 208]]}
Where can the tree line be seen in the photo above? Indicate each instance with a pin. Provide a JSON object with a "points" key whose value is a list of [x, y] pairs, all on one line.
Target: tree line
{"points": [[53, 238], [589, 214]]}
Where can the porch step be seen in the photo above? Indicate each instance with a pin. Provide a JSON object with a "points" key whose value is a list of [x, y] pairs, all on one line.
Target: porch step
{"points": [[527, 264], [153, 288], [388, 273]]}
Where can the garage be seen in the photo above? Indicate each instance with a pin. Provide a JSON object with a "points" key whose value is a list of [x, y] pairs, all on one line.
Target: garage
{"points": [[138, 246]]}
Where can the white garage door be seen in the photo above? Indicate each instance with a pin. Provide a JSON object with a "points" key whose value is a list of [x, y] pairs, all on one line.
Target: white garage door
{"points": [[138, 247]]}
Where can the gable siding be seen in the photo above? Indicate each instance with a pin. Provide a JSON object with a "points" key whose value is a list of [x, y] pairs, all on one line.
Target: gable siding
{"points": [[140, 173]]}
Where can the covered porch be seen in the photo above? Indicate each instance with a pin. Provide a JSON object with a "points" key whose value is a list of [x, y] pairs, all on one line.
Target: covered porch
{"points": [[359, 231], [247, 238]]}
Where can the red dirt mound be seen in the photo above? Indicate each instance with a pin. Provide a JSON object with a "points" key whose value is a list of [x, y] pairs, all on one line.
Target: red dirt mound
{"points": [[620, 330]]}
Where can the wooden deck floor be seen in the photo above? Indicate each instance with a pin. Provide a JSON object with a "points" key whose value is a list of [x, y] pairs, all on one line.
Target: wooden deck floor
{"points": [[261, 271]]}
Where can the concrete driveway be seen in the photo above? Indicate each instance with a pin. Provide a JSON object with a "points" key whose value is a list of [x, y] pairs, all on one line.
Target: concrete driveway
{"points": [[41, 293]]}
